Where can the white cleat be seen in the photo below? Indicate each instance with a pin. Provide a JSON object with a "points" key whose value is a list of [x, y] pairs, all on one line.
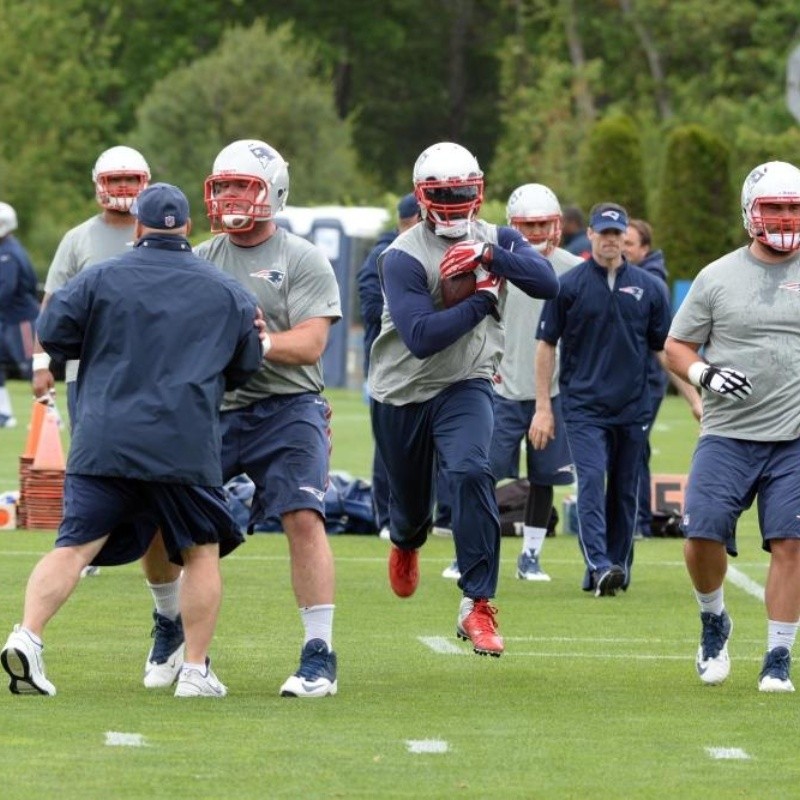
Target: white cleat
{"points": [[165, 659], [713, 663], [316, 676], [774, 675]]}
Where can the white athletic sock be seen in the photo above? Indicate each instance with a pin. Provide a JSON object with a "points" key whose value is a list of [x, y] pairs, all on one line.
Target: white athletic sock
{"points": [[533, 539], [201, 668], [713, 602], [167, 598], [318, 623], [781, 634], [5, 403]]}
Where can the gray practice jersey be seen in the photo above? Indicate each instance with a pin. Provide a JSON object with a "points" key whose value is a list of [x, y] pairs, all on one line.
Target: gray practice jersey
{"points": [[396, 376], [520, 314], [746, 315], [86, 244], [293, 282]]}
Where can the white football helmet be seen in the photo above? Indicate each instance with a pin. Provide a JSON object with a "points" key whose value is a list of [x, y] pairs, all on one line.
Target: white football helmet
{"points": [[266, 176], [448, 184], [535, 202], [8, 220], [773, 182], [117, 162]]}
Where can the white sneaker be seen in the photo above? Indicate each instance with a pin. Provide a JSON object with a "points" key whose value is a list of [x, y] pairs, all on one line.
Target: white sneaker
{"points": [[437, 530], [529, 568], [316, 675], [713, 663], [452, 571], [22, 660], [165, 659], [194, 683], [384, 533]]}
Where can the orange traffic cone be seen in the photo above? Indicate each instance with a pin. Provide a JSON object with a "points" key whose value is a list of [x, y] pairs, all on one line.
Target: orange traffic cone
{"points": [[37, 418], [49, 452]]}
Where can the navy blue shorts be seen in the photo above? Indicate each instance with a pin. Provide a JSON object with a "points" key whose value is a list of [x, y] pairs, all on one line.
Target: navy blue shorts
{"points": [[283, 444], [728, 474], [131, 511], [512, 419]]}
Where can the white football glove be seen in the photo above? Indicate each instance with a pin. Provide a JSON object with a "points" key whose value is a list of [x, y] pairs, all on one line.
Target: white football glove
{"points": [[720, 380]]}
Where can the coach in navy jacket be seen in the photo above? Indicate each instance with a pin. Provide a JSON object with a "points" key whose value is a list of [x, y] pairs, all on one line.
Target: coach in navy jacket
{"points": [[609, 316], [149, 390]]}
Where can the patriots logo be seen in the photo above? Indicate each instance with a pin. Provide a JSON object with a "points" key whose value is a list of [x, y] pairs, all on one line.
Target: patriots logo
{"points": [[274, 276], [264, 154], [635, 291], [791, 286]]}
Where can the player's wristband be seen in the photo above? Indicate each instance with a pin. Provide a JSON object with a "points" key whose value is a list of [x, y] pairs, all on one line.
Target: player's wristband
{"points": [[40, 361], [266, 344], [695, 372]]}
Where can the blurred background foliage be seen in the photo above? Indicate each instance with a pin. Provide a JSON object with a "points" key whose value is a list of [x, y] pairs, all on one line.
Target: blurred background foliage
{"points": [[663, 105]]}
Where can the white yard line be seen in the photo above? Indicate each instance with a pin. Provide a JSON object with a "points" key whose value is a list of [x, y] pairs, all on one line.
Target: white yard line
{"points": [[730, 753], [441, 645], [427, 746], [746, 584], [117, 739]]}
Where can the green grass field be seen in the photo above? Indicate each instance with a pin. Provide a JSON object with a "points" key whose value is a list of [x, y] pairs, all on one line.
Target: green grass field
{"points": [[594, 697]]}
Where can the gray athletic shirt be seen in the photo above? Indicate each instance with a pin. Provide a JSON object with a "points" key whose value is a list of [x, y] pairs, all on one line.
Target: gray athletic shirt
{"points": [[397, 377], [293, 282], [746, 315], [86, 244], [521, 314]]}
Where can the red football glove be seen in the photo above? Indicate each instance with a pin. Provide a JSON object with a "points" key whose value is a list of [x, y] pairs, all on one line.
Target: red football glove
{"points": [[464, 257]]}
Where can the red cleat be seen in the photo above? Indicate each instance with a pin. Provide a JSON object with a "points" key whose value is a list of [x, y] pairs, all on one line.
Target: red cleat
{"points": [[403, 571], [476, 623]]}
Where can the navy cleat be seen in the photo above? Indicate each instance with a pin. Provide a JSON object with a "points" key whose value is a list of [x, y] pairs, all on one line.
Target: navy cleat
{"points": [[606, 582], [774, 675], [713, 664], [316, 676], [165, 659]]}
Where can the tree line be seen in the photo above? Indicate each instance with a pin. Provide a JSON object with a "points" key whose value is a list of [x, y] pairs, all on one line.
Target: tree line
{"points": [[663, 104]]}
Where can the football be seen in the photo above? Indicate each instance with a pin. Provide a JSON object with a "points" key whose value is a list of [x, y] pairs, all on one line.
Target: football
{"points": [[457, 288]]}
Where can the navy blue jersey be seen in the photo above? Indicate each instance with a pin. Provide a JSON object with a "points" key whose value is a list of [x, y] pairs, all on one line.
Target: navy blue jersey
{"points": [[18, 298], [160, 334], [606, 339]]}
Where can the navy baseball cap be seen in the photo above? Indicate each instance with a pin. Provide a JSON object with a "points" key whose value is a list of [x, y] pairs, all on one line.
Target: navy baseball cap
{"points": [[608, 217], [161, 206], [408, 207]]}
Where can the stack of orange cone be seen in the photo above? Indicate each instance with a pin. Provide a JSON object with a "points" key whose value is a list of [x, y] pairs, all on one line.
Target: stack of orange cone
{"points": [[42, 470]]}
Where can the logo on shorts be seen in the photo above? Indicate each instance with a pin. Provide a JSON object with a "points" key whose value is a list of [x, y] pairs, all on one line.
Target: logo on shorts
{"points": [[311, 490], [685, 520], [570, 468], [634, 291], [274, 276]]}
